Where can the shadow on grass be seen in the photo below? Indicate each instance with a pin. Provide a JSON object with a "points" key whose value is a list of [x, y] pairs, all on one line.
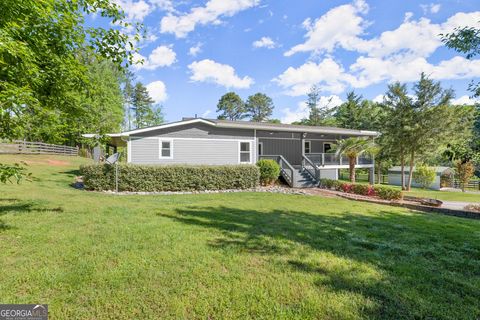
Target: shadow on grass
{"points": [[402, 262], [16, 206]]}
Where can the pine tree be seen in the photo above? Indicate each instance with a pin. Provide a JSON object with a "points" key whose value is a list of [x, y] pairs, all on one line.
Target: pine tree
{"points": [[146, 113], [231, 107], [259, 107], [319, 114]]}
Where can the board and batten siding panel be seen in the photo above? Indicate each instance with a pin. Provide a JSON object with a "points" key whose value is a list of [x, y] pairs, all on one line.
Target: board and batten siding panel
{"points": [[289, 149], [186, 151]]}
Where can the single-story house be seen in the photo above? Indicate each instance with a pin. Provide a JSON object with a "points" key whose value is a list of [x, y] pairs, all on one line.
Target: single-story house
{"points": [[394, 176], [303, 152]]}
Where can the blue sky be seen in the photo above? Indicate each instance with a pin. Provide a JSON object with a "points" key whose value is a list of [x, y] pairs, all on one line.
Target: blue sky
{"points": [[196, 51]]}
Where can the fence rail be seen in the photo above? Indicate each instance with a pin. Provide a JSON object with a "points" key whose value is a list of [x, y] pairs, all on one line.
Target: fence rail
{"points": [[472, 184], [27, 147]]}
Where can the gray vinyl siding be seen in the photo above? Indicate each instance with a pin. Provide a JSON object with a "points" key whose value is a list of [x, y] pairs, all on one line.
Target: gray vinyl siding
{"points": [[200, 130], [201, 152], [289, 149]]}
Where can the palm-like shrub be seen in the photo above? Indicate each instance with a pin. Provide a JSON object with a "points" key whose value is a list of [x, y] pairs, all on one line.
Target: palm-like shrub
{"points": [[352, 148]]}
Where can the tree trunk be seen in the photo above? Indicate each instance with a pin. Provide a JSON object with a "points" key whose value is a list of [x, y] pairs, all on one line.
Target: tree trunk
{"points": [[402, 175], [351, 164], [379, 173], [410, 175]]}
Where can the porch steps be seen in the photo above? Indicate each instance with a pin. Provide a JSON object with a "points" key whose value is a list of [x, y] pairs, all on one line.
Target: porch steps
{"points": [[302, 179]]}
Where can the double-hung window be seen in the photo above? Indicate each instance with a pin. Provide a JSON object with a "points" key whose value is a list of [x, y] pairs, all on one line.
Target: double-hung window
{"points": [[307, 147], [245, 152], [166, 149]]}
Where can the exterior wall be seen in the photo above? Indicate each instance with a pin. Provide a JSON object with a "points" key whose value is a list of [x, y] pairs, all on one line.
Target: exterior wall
{"points": [[395, 179], [329, 174], [290, 149], [192, 144]]}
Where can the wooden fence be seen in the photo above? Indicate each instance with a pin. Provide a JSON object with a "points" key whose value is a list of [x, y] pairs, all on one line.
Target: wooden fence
{"points": [[26, 147], [473, 184]]}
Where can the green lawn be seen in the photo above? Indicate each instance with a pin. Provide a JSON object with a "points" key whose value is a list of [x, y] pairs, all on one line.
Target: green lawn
{"points": [[229, 256]]}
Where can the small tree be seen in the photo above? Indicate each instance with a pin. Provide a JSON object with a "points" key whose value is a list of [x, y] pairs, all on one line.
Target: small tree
{"points": [[464, 171], [424, 175], [353, 148], [231, 107]]}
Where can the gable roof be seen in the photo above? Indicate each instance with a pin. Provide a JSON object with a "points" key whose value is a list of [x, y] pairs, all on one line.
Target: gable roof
{"points": [[257, 126]]}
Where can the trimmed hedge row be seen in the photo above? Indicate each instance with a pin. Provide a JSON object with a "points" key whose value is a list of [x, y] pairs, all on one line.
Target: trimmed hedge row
{"points": [[144, 178], [383, 192]]}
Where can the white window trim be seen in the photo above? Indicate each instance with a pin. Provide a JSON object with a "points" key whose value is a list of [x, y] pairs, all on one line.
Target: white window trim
{"points": [[309, 146], [240, 151], [160, 140]]}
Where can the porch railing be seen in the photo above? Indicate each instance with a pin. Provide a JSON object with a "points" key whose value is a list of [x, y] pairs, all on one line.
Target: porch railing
{"points": [[330, 159], [286, 169], [311, 168]]}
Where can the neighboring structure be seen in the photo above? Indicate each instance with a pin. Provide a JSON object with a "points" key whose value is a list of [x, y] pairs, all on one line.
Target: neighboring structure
{"points": [[395, 176], [302, 151]]}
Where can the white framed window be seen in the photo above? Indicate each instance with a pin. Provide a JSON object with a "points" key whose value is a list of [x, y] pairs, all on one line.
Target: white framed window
{"points": [[245, 151], [307, 146], [165, 148]]}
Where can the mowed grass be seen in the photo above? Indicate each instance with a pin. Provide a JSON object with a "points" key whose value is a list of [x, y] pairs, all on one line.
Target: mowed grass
{"points": [[228, 256]]}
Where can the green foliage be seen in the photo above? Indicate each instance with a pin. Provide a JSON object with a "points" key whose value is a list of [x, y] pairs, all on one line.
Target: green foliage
{"points": [[424, 175], [383, 192], [259, 107], [388, 193], [47, 90], [464, 172], [356, 113], [15, 171], [320, 115], [269, 171], [146, 114], [354, 147], [231, 107], [101, 177]]}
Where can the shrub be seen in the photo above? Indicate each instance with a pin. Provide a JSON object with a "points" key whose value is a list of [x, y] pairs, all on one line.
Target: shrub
{"points": [[424, 175], [327, 183], [346, 187], [137, 178], [269, 171], [388, 193], [362, 189]]}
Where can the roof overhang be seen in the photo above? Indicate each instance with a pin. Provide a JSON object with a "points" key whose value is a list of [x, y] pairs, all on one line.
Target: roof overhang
{"points": [[233, 125]]}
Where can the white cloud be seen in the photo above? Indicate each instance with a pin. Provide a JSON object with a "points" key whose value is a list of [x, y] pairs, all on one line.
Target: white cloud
{"points": [[193, 51], [135, 10], [158, 91], [166, 5], [206, 113], [430, 8], [379, 98], [182, 24], [328, 75], [161, 56], [340, 26], [264, 42], [223, 74], [400, 54], [302, 111], [465, 100]]}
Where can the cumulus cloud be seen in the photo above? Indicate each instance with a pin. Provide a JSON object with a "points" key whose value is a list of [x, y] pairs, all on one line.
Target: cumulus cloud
{"points": [[328, 75], [465, 100], [400, 54], [302, 111], [223, 74], [193, 51], [138, 10], [161, 56], [157, 91], [341, 26], [264, 42], [430, 8], [182, 24]]}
